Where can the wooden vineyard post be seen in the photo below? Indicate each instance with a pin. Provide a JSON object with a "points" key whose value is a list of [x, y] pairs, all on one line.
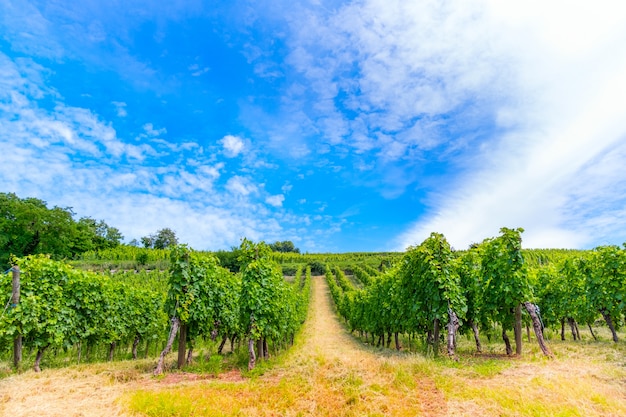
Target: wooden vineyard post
{"points": [[518, 329], [252, 361], [453, 326], [15, 300], [182, 344], [436, 337]]}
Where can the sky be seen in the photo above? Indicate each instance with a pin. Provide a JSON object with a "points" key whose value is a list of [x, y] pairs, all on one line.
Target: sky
{"points": [[342, 126]]}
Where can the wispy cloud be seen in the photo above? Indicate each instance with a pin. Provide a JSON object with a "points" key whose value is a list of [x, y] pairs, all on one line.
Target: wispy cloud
{"points": [[241, 186], [501, 112], [386, 79], [482, 114], [70, 156], [28, 30], [120, 107], [197, 71], [152, 131], [556, 167]]}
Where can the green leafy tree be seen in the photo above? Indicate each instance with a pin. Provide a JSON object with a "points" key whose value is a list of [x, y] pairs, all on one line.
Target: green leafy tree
{"points": [[99, 234], [202, 301], [284, 246], [563, 294], [162, 239], [61, 307], [28, 227], [229, 259], [470, 273], [42, 317]]}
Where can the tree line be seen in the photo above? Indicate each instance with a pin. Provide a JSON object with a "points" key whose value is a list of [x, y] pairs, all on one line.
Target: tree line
{"points": [[28, 227]]}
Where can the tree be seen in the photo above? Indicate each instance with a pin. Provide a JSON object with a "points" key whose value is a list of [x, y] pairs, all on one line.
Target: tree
{"points": [[267, 303], [28, 227], [469, 269], [507, 287], [99, 234], [229, 259], [163, 239], [190, 301], [148, 241], [284, 246]]}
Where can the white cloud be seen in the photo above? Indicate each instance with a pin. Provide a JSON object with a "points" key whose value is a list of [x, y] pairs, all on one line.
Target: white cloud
{"points": [[520, 107], [29, 30], [68, 156], [233, 145], [395, 63], [240, 186], [152, 132], [275, 200], [120, 107], [555, 173]]}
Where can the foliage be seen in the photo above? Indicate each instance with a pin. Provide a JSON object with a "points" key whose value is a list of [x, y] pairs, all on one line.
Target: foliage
{"points": [[362, 275], [469, 266], [430, 283], [229, 259], [504, 276], [192, 290], [28, 226], [317, 267], [63, 307], [102, 235], [267, 302], [606, 282], [162, 239], [284, 246], [562, 292], [124, 257]]}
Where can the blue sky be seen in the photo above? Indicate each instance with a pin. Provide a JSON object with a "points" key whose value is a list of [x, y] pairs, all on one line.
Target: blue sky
{"points": [[341, 126]]}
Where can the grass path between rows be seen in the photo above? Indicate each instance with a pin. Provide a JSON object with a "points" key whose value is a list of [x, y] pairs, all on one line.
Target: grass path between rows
{"points": [[330, 373], [327, 373]]}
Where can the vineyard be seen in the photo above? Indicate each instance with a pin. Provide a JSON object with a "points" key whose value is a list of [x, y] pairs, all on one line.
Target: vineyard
{"points": [[430, 300]]}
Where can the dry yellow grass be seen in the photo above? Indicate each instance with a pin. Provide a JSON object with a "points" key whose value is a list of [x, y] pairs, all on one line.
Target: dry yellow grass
{"points": [[330, 373], [64, 393]]}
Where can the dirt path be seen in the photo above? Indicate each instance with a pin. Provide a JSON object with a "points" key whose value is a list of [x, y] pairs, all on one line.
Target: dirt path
{"points": [[347, 378]]}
